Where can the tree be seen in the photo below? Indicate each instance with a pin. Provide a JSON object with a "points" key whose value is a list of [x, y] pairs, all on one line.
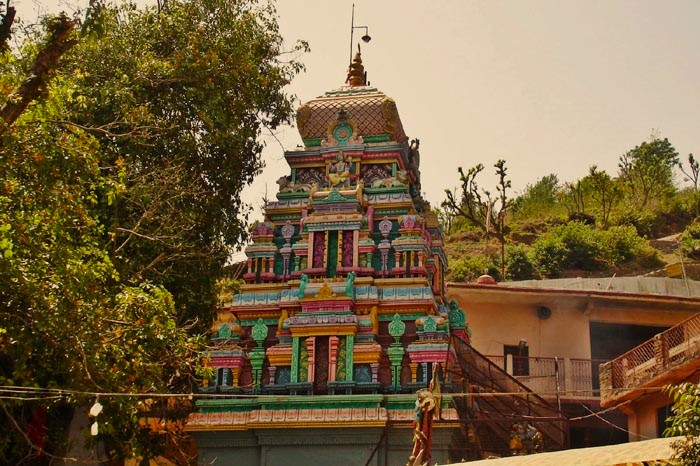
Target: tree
{"points": [[484, 212], [119, 201], [538, 198], [197, 85], [605, 191], [685, 421], [647, 170], [692, 174], [574, 196]]}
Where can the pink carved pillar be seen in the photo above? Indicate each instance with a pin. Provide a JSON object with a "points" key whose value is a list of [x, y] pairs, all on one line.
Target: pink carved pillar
{"points": [[311, 349], [249, 264], [332, 357], [375, 369], [310, 254], [272, 370], [271, 265], [355, 246]]}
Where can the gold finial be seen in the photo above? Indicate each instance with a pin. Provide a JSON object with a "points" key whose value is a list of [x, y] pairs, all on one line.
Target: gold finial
{"points": [[356, 72]]}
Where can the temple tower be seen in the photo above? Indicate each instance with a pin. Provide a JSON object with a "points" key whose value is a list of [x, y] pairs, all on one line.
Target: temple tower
{"points": [[342, 316]]}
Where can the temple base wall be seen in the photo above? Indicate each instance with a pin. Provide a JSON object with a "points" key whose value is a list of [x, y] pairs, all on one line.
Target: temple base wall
{"points": [[309, 447]]}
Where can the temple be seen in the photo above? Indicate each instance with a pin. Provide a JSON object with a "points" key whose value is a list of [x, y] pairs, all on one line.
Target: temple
{"points": [[342, 317]]}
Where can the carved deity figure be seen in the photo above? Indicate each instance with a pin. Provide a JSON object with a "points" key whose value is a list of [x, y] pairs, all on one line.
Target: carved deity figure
{"points": [[349, 284], [303, 280], [339, 171]]}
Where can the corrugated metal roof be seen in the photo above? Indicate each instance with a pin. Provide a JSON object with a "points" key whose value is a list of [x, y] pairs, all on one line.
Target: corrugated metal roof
{"points": [[654, 451], [638, 285]]}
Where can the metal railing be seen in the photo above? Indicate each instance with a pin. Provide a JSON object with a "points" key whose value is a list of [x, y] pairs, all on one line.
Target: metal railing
{"points": [[552, 377], [517, 402], [640, 365]]}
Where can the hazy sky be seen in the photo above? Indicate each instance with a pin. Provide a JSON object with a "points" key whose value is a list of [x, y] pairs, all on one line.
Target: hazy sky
{"points": [[551, 86]]}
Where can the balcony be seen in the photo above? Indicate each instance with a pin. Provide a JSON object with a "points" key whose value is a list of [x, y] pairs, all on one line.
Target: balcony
{"points": [[552, 378], [669, 357]]}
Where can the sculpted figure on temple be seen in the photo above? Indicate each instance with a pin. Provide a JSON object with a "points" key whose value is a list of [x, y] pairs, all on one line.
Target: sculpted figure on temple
{"points": [[339, 171], [303, 280], [401, 179], [288, 186], [349, 284], [414, 154]]}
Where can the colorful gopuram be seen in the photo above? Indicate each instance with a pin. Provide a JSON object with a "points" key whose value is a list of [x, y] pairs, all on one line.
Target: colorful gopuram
{"points": [[342, 317]]}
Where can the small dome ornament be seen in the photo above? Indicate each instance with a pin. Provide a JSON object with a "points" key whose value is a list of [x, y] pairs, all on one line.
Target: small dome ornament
{"points": [[486, 279], [356, 72]]}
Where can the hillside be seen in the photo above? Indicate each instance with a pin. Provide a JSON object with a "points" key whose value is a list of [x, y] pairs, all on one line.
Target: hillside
{"points": [[470, 248]]}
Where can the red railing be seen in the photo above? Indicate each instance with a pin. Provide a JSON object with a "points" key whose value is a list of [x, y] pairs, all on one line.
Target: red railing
{"points": [[642, 364]]}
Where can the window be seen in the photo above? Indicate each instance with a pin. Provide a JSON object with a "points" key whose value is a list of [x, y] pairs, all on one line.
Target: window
{"points": [[521, 361]]}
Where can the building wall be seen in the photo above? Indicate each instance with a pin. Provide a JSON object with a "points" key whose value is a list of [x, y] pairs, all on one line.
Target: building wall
{"points": [[642, 413], [506, 318], [304, 447], [564, 334]]}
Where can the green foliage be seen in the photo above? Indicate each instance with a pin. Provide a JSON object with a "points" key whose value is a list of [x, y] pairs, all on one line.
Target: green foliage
{"points": [[580, 246], [692, 174], [580, 242], [644, 221], [518, 263], [478, 208], [691, 240], [119, 204], [605, 191], [539, 199], [177, 101], [621, 244], [468, 269], [574, 196], [685, 421], [647, 171], [548, 255]]}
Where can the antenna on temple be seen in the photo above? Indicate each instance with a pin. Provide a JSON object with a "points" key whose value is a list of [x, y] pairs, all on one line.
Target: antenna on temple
{"points": [[366, 38]]}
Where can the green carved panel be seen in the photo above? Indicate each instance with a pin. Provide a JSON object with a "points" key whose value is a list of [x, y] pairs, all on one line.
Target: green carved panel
{"points": [[303, 361], [332, 251], [340, 372], [456, 316], [260, 332], [294, 376], [429, 325], [350, 347], [396, 328]]}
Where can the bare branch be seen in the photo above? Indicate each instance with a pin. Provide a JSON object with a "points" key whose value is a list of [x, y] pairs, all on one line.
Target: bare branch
{"points": [[45, 64]]}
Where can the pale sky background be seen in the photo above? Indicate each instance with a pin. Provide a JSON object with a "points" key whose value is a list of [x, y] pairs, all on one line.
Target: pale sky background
{"points": [[551, 86]]}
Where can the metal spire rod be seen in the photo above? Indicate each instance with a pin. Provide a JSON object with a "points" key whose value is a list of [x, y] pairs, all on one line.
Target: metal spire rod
{"points": [[365, 38], [352, 30]]}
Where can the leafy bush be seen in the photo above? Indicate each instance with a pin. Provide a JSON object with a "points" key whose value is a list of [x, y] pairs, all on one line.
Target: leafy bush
{"points": [[581, 244], [685, 421], [538, 200], [621, 244], [691, 240], [548, 255], [582, 217], [470, 268], [518, 264], [643, 220]]}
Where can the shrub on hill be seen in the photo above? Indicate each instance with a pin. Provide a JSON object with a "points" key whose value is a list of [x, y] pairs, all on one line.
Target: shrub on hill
{"points": [[469, 268], [518, 263], [579, 246], [691, 240]]}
